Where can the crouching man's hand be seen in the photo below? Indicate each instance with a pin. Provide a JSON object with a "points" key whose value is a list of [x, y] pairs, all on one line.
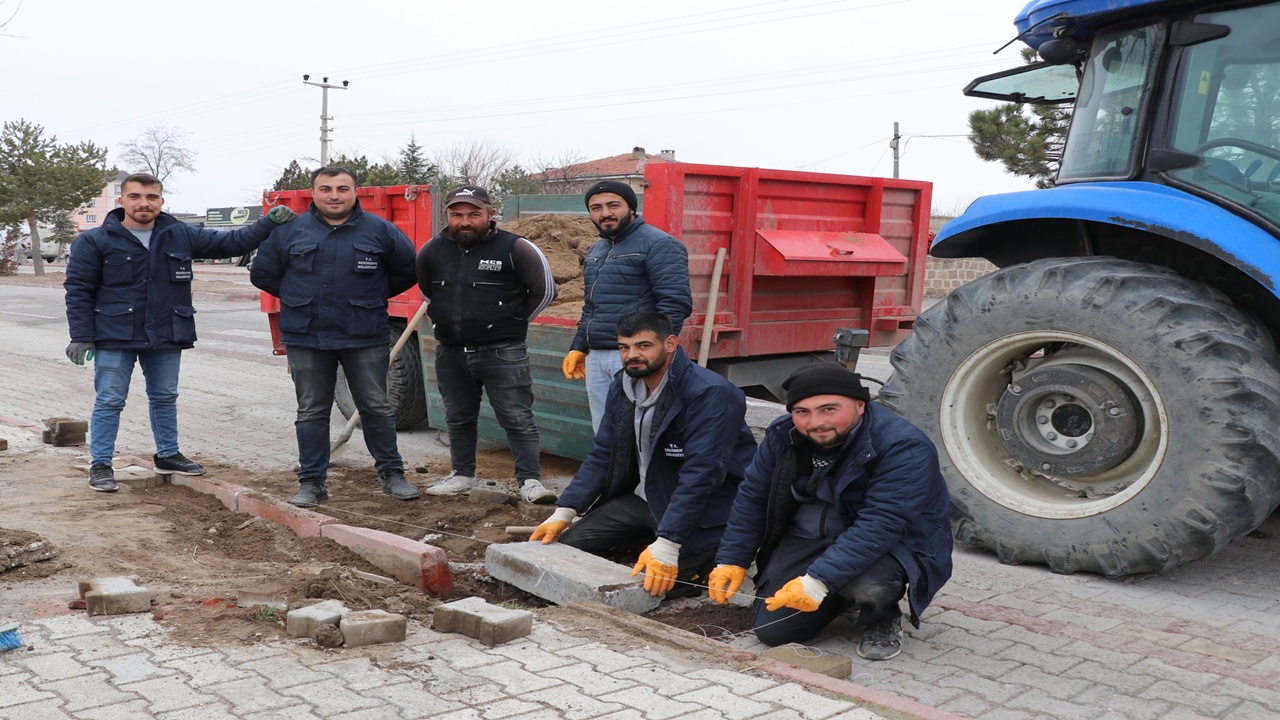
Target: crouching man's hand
{"points": [[550, 529], [724, 582], [803, 593], [659, 562]]}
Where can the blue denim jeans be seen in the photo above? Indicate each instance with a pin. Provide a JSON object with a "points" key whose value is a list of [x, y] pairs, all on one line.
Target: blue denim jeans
{"points": [[503, 374], [602, 365], [112, 371], [314, 374]]}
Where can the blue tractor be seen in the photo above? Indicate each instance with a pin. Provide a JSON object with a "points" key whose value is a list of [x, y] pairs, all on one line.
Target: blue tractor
{"points": [[1108, 400]]}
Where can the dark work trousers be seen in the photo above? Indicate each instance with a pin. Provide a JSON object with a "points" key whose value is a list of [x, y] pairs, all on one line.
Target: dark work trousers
{"points": [[502, 372], [626, 525], [874, 594]]}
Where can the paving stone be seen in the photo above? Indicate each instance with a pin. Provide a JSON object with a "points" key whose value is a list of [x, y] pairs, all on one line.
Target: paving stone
{"points": [[1158, 637], [1087, 652], [971, 706], [114, 596], [359, 674], [829, 664], [532, 656], [166, 693], [1041, 704], [655, 707], [87, 691], [284, 672], [571, 703], [413, 701], [17, 690], [1239, 656], [492, 625], [739, 682], [202, 670], [1131, 708], [1039, 641], [64, 626], [562, 574], [1186, 678], [716, 696], [329, 697], [982, 645], [660, 679], [515, 680], [263, 596], [132, 710], [484, 494], [990, 691], [797, 699], [423, 566], [1124, 681], [140, 478], [982, 665], [304, 621], [43, 710], [1052, 664], [131, 668], [1235, 688], [601, 658], [54, 666], [251, 695], [371, 627], [1196, 699], [32, 552], [588, 678], [1052, 683], [203, 712], [88, 648], [508, 708], [1250, 711]]}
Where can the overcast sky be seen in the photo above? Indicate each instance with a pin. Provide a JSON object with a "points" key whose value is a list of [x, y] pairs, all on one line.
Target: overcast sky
{"points": [[791, 84]]}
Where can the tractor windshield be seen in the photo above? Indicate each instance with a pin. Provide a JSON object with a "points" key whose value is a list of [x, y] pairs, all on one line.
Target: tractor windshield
{"points": [[1103, 143], [1228, 110]]}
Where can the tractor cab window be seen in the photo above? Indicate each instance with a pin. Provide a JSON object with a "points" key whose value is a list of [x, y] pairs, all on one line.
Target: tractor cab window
{"points": [[1104, 140], [1228, 110]]}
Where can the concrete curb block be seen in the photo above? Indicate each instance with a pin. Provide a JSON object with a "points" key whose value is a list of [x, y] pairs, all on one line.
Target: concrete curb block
{"points": [[409, 561], [688, 640], [303, 522], [224, 491]]}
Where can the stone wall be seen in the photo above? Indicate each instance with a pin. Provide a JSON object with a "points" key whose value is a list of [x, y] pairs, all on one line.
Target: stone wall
{"points": [[942, 275]]}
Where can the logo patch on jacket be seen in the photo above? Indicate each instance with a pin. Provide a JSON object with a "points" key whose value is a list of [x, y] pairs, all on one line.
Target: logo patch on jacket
{"points": [[368, 263], [495, 265], [673, 451]]}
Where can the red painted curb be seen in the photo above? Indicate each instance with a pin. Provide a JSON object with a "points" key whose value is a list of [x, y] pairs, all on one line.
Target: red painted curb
{"points": [[224, 491], [303, 523], [409, 561], [691, 641]]}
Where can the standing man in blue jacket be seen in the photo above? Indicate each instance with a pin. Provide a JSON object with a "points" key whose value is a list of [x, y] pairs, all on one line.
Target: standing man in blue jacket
{"points": [[664, 467], [484, 286], [129, 302], [843, 508], [334, 272], [633, 267]]}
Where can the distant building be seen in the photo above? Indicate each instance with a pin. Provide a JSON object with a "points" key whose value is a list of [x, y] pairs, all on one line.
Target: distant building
{"points": [[627, 168], [94, 212]]}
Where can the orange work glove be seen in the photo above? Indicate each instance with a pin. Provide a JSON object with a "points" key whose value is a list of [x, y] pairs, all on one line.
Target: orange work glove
{"points": [[803, 593], [659, 563], [575, 365], [550, 529], [724, 582]]}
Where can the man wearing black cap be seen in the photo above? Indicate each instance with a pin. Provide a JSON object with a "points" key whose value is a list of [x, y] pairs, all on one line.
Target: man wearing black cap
{"points": [[484, 286], [634, 267], [842, 509]]}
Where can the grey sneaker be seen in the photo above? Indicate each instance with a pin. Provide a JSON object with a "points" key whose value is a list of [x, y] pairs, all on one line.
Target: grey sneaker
{"points": [[452, 484], [102, 478], [177, 464], [394, 484], [882, 640], [533, 491]]}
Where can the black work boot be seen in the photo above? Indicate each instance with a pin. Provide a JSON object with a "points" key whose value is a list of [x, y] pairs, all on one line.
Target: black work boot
{"points": [[310, 494], [394, 484]]}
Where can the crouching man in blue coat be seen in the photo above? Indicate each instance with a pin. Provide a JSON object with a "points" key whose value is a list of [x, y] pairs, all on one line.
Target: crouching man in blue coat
{"points": [[842, 509], [664, 467]]}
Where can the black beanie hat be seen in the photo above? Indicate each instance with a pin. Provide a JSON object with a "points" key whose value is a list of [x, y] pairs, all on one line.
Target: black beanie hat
{"points": [[620, 189], [827, 378]]}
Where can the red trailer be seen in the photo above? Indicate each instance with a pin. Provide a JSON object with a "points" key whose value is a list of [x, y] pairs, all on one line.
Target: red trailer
{"points": [[804, 254]]}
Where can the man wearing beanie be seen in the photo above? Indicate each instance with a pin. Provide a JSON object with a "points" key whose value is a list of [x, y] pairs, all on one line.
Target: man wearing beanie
{"points": [[843, 509], [634, 267]]}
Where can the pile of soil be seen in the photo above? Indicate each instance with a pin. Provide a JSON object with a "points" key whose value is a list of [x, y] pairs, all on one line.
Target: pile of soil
{"points": [[565, 240]]}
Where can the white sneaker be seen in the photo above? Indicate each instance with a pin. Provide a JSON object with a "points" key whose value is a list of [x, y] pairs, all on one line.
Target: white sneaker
{"points": [[535, 492], [452, 484]]}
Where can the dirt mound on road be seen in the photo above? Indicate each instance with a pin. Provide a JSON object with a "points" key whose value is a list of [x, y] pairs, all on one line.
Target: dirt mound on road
{"points": [[565, 240]]}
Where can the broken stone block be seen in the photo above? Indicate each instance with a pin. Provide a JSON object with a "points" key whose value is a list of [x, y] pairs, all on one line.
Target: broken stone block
{"points": [[140, 478], [836, 666], [68, 426], [370, 627], [36, 550], [4, 444], [492, 495], [262, 597], [68, 440], [490, 624], [114, 596], [562, 574], [304, 622]]}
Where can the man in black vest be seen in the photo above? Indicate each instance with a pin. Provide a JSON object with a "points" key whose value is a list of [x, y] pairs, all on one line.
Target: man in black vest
{"points": [[484, 285]]}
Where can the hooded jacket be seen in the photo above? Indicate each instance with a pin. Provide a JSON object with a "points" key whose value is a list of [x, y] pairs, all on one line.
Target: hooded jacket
{"points": [[701, 446], [891, 497], [642, 270], [334, 281], [122, 295]]}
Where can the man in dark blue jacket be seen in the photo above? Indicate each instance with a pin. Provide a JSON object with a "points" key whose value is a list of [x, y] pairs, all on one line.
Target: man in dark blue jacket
{"points": [[129, 301], [665, 464], [634, 267], [334, 271], [842, 509]]}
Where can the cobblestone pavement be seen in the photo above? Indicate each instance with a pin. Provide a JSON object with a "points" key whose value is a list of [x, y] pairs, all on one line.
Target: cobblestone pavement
{"points": [[122, 668], [999, 642]]}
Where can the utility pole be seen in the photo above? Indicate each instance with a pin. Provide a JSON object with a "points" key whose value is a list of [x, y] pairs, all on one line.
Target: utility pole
{"points": [[894, 144], [324, 113]]}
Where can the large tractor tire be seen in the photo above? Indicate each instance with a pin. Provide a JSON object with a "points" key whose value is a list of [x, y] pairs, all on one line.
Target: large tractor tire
{"points": [[404, 384], [1096, 415]]}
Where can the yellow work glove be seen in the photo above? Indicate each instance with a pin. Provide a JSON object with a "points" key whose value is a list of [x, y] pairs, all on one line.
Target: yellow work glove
{"points": [[803, 593], [551, 528], [659, 563], [724, 582], [575, 365]]}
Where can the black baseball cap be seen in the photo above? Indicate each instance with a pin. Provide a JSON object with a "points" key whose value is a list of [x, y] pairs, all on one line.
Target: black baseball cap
{"points": [[470, 194]]}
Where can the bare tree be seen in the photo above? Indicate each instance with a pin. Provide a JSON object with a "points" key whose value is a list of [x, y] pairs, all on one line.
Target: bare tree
{"points": [[561, 173], [474, 162], [159, 150]]}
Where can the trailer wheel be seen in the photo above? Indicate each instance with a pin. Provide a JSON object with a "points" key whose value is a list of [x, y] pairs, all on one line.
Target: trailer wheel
{"points": [[404, 384], [1095, 415]]}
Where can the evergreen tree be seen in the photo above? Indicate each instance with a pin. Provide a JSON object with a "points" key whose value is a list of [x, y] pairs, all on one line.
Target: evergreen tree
{"points": [[1028, 141], [414, 166]]}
